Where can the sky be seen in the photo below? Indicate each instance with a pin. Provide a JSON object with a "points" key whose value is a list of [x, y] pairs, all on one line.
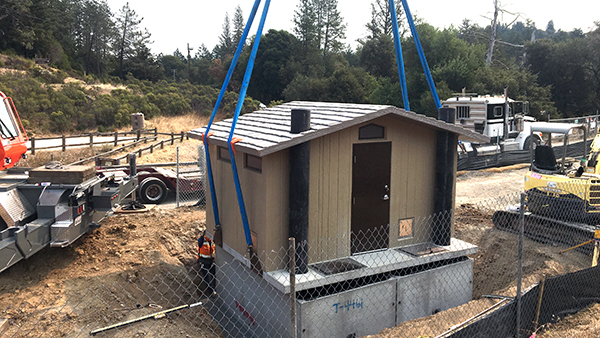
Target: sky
{"points": [[175, 23]]}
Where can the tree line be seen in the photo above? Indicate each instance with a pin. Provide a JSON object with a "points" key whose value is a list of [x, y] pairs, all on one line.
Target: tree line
{"points": [[558, 72]]}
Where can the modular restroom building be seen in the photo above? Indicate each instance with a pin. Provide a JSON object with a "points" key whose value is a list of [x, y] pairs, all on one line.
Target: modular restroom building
{"points": [[357, 186]]}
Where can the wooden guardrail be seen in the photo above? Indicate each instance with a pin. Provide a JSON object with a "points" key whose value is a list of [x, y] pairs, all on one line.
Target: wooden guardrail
{"points": [[137, 136], [102, 159]]}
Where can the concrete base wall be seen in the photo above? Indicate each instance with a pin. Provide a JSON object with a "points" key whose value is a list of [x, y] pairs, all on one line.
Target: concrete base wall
{"points": [[435, 290], [248, 306], [372, 308]]}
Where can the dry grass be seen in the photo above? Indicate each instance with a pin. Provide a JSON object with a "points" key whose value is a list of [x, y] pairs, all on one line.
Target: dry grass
{"points": [[177, 124]]}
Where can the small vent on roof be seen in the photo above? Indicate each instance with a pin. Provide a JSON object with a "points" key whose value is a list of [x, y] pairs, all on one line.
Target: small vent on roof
{"points": [[300, 121]]}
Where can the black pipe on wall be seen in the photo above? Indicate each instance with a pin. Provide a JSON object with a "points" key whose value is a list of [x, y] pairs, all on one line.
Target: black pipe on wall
{"points": [[444, 180], [299, 189]]}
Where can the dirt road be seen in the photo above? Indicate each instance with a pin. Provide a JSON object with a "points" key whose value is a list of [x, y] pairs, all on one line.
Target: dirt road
{"points": [[484, 185]]}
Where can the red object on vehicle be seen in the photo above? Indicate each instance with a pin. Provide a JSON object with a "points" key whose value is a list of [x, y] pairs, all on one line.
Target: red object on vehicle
{"points": [[12, 134]]}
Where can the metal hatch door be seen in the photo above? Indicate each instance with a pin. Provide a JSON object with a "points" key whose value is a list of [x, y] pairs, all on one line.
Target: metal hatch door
{"points": [[370, 196]]}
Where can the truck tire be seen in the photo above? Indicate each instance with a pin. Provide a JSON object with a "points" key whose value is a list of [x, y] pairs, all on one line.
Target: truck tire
{"points": [[153, 190], [530, 141]]}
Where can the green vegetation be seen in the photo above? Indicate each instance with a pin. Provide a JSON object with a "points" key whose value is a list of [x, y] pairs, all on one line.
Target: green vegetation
{"points": [[557, 72]]}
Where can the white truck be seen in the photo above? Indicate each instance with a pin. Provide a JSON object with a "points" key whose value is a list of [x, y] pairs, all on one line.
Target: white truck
{"points": [[504, 120]]}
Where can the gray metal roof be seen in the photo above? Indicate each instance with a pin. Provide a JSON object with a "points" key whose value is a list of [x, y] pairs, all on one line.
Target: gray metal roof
{"points": [[267, 131]]}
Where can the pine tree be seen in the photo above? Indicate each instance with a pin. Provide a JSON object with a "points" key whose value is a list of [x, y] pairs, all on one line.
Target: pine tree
{"points": [[305, 21], [381, 19], [238, 26], [129, 34], [225, 46], [330, 26]]}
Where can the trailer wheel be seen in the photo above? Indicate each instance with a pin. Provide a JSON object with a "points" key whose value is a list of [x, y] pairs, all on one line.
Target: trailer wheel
{"points": [[153, 190]]}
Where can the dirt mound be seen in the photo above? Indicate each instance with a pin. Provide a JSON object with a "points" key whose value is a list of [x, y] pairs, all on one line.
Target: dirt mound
{"points": [[128, 252]]}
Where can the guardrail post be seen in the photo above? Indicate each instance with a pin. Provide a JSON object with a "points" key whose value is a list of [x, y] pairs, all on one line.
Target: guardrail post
{"points": [[139, 132], [162, 145], [182, 134], [64, 143], [155, 131], [151, 148], [172, 138], [116, 138], [91, 140], [32, 145], [177, 180]]}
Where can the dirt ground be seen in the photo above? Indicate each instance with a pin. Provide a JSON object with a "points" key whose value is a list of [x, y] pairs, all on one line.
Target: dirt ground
{"points": [[132, 249]]}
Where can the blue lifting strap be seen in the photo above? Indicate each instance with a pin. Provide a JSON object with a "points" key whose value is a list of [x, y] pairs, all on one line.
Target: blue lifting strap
{"points": [[234, 61], [238, 109], [426, 70], [399, 59]]}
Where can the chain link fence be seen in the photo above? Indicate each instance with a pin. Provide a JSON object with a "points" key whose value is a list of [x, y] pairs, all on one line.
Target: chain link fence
{"points": [[506, 269], [191, 183]]}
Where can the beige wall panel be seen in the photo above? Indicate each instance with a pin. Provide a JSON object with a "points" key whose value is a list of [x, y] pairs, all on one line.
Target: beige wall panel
{"points": [[330, 193], [276, 171], [344, 193], [253, 189]]}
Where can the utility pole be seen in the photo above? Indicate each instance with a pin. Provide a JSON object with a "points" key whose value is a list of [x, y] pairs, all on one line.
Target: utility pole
{"points": [[490, 52], [189, 62]]}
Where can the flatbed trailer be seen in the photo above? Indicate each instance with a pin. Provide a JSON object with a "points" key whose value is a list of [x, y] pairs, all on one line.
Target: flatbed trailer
{"points": [[54, 207]]}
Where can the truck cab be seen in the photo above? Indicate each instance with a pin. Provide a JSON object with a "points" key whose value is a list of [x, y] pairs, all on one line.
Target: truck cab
{"points": [[503, 120]]}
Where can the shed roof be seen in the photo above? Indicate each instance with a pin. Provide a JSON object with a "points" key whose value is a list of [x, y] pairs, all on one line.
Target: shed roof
{"points": [[267, 131]]}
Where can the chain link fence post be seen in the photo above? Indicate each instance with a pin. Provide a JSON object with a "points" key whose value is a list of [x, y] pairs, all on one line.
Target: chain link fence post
{"points": [[292, 255], [520, 263]]}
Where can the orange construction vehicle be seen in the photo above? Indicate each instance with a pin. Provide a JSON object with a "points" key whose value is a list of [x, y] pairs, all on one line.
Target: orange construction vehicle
{"points": [[12, 134]]}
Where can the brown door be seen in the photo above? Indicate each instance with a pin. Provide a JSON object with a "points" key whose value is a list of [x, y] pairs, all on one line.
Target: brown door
{"points": [[370, 196]]}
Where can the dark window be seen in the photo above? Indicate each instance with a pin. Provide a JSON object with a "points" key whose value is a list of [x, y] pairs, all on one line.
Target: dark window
{"points": [[371, 131], [223, 154], [495, 111], [253, 163], [463, 112]]}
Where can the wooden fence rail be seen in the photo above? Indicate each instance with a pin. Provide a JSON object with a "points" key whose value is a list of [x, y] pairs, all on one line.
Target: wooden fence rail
{"points": [[138, 136], [102, 159]]}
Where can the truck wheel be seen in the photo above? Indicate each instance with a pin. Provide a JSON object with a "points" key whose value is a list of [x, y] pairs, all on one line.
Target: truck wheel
{"points": [[531, 141], [153, 190]]}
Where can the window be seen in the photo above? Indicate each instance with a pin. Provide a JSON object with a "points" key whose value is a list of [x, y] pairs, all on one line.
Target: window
{"points": [[8, 130], [463, 112], [223, 154], [405, 228], [253, 163], [371, 131], [498, 111]]}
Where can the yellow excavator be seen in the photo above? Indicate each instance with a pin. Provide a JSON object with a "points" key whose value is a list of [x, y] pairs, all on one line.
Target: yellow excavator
{"points": [[563, 196]]}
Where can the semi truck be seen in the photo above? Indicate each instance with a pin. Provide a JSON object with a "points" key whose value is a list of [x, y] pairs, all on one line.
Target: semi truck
{"points": [[503, 120], [50, 206]]}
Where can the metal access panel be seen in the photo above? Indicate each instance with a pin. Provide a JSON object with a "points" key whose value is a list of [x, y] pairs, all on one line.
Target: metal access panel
{"points": [[353, 313], [428, 292]]}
